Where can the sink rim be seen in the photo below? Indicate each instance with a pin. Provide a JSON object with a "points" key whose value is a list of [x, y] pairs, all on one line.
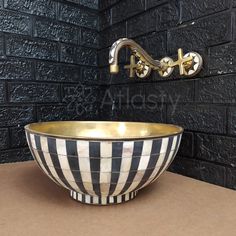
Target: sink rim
{"points": [[178, 130]]}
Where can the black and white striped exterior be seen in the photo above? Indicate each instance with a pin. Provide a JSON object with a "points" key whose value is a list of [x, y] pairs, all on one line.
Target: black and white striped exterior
{"points": [[103, 172]]}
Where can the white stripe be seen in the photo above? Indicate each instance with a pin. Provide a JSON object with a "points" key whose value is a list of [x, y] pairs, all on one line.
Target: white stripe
{"points": [[125, 166], [62, 157], [145, 156], [32, 141], [119, 199], [169, 157], [105, 167], [87, 199], [84, 164], [48, 160]]}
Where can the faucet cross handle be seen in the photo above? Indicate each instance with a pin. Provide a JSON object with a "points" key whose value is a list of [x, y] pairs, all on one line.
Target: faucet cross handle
{"points": [[132, 66], [189, 64], [140, 68], [182, 62]]}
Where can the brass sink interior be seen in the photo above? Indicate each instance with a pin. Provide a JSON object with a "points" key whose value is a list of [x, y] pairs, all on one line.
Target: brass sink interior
{"points": [[103, 130]]}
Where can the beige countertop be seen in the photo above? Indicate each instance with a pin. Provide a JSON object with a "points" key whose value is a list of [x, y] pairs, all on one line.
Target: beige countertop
{"points": [[30, 204]]}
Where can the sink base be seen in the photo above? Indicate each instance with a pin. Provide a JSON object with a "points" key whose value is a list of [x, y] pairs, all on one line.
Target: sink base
{"points": [[94, 200]]}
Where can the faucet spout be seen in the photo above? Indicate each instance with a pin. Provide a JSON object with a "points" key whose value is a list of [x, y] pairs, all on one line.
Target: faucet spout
{"points": [[137, 51]]}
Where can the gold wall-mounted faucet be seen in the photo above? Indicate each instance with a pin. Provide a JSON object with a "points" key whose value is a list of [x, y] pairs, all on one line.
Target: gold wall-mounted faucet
{"points": [[189, 64]]}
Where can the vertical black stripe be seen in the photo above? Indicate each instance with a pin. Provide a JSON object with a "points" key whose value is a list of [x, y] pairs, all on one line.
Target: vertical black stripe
{"points": [[117, 149], [31, 149], [94, 157], [71, 149], [137, 152], [52, 149], [42, 158], [83, 198], [154, 156]]}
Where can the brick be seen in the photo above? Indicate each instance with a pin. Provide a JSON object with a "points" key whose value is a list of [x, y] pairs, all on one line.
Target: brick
{"points": [[74, 94], [70, 111], [34, 92], [15, 69], [222, 59], [157, 19], [78, 16], [37, 7], [4, 138], [142, 24], [234, 3], [14, 23], [46, 71], [103, 57], [90, 75], [216, 89], [1, 45], [174, 92], [104, 19], [154, 3], [185, 166], [90, 3], [232, 120], [154, 44], [15, 155], [206, 118], [215, 148], [31, 48], [167, 16], [127, 8], [54, 112], [53, 30], [17, 115], [212, 173], [78, 55], [201, 34], [107, 3], [2, 92], [17, 137], [89, 38], [109, 36], [105, 76], [137, 112], [231, 178], [186, 148], [194, 9]]}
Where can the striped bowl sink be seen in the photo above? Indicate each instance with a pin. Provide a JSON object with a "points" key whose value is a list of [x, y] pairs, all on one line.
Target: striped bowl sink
{"points": [[103, 162]]}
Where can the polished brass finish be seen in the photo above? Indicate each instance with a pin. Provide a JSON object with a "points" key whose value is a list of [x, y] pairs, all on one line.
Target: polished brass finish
{"points": [[136, 50], [182, 62], [189, 64], [132, 67], [103, 130], [139, 68], [114, 69]]}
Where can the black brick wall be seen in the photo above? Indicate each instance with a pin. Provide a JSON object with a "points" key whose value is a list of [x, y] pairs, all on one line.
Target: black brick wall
{"points": [[205, 105], [46, 47]]}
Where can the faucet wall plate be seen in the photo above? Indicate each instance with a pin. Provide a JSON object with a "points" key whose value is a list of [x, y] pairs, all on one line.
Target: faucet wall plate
{"points": [[166, 72]]}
